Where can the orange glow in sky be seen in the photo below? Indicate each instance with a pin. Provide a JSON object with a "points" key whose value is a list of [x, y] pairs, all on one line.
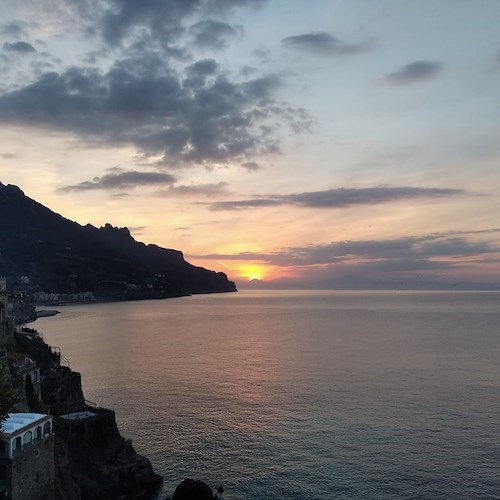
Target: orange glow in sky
{"points": [[252, 271], [305, 180]]}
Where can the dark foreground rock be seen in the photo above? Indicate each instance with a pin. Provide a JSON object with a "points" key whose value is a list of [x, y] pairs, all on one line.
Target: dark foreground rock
{"points": [[66, 486], [191, 489], [102, 463]]}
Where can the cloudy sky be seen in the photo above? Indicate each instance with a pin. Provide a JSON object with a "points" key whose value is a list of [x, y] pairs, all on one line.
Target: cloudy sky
{"points": [[305, 143]]}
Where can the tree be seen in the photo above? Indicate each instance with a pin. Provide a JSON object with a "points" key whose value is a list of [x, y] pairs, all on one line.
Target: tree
{"points": [[33, 401], [9, 394]]}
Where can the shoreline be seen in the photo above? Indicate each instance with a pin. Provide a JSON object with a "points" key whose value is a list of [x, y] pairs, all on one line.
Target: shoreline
{"points": [[46, 313], [63, 303], [126, 299]]}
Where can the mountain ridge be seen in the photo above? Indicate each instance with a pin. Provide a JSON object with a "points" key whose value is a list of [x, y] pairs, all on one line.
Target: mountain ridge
{"points": [[61, 256]]}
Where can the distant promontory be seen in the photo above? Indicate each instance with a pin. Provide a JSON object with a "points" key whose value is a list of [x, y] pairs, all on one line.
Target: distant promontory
{"points": [[43, 252]]}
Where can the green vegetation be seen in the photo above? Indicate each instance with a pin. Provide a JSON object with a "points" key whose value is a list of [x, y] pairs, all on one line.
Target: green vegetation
{"points": [[9, 393], [34, 403]]}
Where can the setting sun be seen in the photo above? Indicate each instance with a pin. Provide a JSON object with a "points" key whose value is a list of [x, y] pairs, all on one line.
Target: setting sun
{"points": [[251, 272]]}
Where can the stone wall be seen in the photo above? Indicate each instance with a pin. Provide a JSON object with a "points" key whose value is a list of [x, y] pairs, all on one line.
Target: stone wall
{"points": [[33, 473], [62, 391]]}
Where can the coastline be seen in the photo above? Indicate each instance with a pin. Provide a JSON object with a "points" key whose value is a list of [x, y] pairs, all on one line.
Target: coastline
{"points": [[107, 300], [92, 460], [45, 313]]}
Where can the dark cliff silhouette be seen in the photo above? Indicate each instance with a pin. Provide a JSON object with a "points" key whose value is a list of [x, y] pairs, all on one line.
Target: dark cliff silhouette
{"points": [[58, 255]]}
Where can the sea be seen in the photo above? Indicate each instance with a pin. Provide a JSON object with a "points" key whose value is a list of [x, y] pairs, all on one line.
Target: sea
{"points": [[312, 395]]}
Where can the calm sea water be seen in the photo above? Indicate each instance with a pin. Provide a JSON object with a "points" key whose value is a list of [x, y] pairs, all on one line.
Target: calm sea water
{"points": [[301, 395]]}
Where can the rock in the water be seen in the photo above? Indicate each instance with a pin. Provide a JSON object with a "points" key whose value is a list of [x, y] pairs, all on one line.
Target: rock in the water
{"points": [[220, 489], [191, 489]]}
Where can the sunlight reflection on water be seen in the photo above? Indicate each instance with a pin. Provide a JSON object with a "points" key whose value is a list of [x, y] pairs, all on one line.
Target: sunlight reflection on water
{"points": [[301, 395]]}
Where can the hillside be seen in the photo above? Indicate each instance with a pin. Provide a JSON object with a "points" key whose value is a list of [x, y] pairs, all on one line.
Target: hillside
{"points": [[61, 256]]}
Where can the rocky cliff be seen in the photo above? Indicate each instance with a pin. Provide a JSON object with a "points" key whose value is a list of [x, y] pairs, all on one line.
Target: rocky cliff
{"points": [[92, 460], [101, 462], [58, 255]]}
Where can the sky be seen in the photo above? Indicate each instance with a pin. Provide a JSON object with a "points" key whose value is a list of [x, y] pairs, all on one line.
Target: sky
{"points": [[287, 143]]}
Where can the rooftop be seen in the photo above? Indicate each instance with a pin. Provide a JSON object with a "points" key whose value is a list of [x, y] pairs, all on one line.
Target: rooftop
{"points": [[79, 415], [16, 421], [18, 357]]}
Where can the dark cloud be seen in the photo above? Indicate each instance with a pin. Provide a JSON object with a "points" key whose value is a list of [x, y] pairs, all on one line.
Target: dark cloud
{"points": [[322, 43], [122, 180], [244, 204], [198, 115], [263, 54], [221, 7], [12, 30], [120, 196], [161, 20], [251, 166], [414, 72], [459, 247], [7, 156], [203, 67], [195, 190], [339, 198], [213, 34], [41, 67], [417, 249], [19, 47], [409, 262], [198, 73], [476, 231], [420, 249], [247, 71], [232, 205], [92, 57], [142, 101]]}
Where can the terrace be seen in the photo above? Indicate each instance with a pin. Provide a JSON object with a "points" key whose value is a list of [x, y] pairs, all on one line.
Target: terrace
{"points": [[21, 431]]}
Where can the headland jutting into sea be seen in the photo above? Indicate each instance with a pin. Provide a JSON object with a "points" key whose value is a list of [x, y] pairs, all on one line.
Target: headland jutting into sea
{"points": [[54, 443]]}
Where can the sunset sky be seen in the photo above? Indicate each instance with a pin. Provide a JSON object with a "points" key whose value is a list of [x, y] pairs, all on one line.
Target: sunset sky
{"points": [[306, 143]]}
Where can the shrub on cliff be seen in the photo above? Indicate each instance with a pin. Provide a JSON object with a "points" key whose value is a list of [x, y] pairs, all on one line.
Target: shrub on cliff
{"points": [[34, 403], [9, 392]]}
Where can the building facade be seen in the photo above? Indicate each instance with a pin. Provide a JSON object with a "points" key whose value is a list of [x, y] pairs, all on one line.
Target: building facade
{"points": [[27, 470]]}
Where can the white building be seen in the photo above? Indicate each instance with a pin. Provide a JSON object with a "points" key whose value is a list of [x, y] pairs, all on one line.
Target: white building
{"points": [[27, 469], [21, 430]]}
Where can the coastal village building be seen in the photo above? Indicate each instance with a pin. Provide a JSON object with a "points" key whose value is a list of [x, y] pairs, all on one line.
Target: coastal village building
{"points": [[22, 366], [46, 298], [27, 469], [92, 459]]}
